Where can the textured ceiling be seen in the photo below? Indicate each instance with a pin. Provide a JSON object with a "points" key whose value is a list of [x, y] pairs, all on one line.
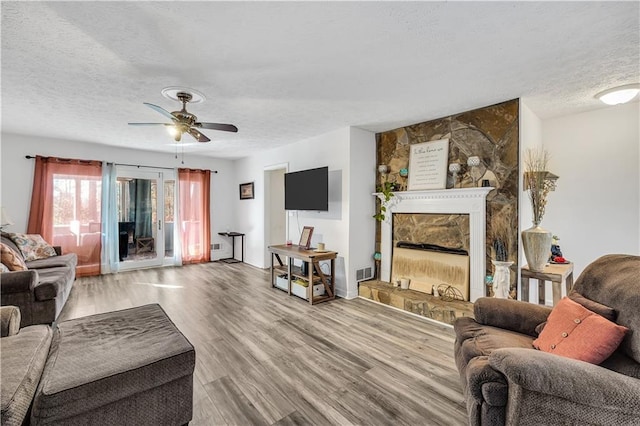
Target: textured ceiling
{"points": [[286, 71]]}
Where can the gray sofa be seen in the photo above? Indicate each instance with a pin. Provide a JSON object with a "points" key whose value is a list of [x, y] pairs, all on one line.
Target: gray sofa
{"points": [[506, 381], [124, 367], [41, 291]]}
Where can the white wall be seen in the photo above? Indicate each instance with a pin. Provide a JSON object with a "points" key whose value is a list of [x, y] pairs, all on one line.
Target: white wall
{"points": [[530, 138], [595, 209], [334, 228], [275, 217], [362, 227], [17, 176]]}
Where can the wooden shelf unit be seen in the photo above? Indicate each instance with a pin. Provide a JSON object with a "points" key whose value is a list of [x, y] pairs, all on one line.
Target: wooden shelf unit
{"points": [[314, 274]]}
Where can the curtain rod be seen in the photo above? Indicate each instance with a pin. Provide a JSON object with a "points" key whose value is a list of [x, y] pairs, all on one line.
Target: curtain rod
{"points": [[29, 157]]}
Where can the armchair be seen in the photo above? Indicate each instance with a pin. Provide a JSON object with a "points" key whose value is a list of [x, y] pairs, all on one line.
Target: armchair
{"points": [[506, 381], [23, 357]]}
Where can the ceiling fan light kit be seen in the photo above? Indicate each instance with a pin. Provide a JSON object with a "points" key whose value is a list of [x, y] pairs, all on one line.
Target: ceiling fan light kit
{"points": [[619, 95], [183, 121]]}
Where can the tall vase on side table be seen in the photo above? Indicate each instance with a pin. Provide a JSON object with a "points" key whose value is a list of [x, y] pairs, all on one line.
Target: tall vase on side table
{"points": [[536, 242]]}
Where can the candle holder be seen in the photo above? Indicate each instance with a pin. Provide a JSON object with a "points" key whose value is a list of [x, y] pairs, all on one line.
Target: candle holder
{"points": [[454, 168], [474, 171]]}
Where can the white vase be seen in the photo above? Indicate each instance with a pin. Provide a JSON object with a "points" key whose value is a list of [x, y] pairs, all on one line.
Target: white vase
{"points": [[501, 279], [536, 242]]}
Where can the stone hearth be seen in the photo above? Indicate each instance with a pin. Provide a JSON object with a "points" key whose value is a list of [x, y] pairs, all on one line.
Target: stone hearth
{"points": [[417, 302]]}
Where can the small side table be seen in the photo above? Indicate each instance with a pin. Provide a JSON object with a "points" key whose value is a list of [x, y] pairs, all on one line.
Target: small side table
{"points": [[558, 274], [144, 244], [233, 236]]}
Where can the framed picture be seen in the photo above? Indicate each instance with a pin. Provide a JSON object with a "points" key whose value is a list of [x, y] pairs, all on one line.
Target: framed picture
{"points": [[246, 191], [305, 237], [428, 165]]}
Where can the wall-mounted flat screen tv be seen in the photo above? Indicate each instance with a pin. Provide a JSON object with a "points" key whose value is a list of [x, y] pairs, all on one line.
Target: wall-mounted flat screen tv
{"points": [[307, 190]]}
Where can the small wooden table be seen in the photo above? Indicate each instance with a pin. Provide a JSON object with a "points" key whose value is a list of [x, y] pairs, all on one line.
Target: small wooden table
{"points": [[144, 244], [558, 274], [314, 274]]}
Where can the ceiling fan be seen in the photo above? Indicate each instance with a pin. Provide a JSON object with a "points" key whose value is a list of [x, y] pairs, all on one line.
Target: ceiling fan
{"points": [[185, 122]]}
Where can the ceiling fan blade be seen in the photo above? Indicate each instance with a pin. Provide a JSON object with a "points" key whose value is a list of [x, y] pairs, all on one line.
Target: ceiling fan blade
{"points": [[161, 111], [217, 126], [197, 135], [150, 124]]}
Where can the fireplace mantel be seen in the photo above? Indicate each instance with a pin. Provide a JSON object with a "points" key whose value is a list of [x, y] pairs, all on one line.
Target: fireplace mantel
{"points": [[471, 201]]}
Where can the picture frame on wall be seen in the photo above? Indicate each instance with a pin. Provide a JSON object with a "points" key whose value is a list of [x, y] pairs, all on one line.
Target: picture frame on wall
{"points": [[305, 237], [246, 191], [428, 162]]}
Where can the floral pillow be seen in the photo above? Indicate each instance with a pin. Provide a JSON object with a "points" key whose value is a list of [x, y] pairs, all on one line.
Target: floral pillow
{"points": [[4, 268], [11, 259], [33, 246]]}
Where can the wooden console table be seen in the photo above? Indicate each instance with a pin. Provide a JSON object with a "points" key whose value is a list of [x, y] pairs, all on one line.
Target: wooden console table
{"points": [[558, 274], [314, 274]]}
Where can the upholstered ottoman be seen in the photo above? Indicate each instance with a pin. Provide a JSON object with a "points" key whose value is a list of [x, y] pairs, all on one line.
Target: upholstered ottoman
{"points": [[125, 367]]}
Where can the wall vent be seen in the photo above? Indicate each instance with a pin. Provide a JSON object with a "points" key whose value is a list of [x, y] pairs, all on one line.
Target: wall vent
{"points": [[364, 274], [215, 246]]}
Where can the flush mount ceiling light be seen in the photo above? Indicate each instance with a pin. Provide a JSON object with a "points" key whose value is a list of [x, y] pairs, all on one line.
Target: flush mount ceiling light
{"points": [[619, 95]]}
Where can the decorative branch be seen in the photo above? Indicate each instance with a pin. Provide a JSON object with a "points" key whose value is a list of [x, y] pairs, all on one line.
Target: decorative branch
{"points": [[536, 182]]}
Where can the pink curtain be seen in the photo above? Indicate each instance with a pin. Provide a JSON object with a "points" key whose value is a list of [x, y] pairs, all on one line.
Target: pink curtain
{"points": [[65, 208], [194, 215]]}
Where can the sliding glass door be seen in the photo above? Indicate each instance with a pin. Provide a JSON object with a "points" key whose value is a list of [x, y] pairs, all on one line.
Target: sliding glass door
{"points": [[145, 209]]}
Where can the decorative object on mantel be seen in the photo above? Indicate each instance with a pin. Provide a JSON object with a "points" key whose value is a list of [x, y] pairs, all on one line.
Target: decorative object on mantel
{"points": [[538, 182], [386, 192], [454, 168], [502, 273], [474, 169], [386, 189], [428, 165], [403, 173]]}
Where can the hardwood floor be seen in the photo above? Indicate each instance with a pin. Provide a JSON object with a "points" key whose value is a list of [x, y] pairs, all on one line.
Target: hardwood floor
{"points": [[266, 358]]}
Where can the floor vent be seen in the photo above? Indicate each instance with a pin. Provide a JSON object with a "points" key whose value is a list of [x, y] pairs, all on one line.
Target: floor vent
{"points": [[364, 274]]}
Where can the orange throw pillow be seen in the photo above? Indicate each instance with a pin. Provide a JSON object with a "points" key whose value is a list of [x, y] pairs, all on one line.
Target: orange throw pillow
{"points": [[11, 259], [575, 332]]}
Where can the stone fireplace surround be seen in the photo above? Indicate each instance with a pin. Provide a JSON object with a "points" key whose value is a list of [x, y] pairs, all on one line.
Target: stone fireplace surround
{"points": [[471, 201]]}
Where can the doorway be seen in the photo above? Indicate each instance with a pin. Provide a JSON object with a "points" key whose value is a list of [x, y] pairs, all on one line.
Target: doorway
{"points": [[145, 208], [275, 216]]}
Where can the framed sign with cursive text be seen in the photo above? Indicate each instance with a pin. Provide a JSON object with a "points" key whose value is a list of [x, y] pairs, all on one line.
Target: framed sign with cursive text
{"points": [[428, 165]]}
